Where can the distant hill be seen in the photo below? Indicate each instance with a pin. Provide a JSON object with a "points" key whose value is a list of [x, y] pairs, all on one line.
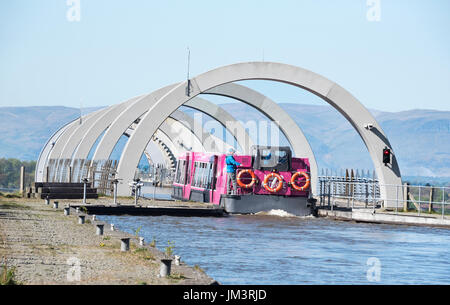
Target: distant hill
{"points": [[24, 130], [420, 138]]}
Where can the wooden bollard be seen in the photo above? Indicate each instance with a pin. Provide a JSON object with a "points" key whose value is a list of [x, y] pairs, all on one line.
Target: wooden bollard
{"points": [[125, 244], [81, 219], [99, 230]]}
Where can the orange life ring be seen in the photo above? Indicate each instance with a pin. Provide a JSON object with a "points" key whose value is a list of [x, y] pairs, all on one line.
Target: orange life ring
{"points": [[242, 184], [300, 188], [279, 186]]}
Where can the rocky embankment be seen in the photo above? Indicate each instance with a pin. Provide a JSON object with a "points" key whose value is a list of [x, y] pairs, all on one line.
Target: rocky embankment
{"points": [[45, 247]]}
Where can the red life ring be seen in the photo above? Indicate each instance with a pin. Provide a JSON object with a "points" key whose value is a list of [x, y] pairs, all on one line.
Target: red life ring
{"points": [[300, 188], [246, 185], [278, 187]]}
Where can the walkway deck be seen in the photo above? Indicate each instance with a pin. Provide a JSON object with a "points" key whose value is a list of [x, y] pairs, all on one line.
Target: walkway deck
{"points": [[181, 210], [380, 216]]}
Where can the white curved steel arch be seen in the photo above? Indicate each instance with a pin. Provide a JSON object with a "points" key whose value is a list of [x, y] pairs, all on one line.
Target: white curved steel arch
{"points": [[178, 131], [82, 137], [165, 133], [223, 118], [89, 132], [72, 142], [129, 115], [169, 133], [175, 129], [103, 119], [85, 142], [59, 143], [256, 100], [43, 155], [125, 119], [62, 140], [178, 128], [106, 119], [374, 139], [293, 132], [195, 137], [166, 140], [209, 142], [269, 108]]}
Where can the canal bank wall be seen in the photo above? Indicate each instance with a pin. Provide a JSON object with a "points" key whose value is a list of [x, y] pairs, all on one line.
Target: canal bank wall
{"points": [[385, 217], [43, 246]]}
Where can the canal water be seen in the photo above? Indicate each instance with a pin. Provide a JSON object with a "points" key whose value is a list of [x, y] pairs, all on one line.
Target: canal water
{"points": [[269, 249]]}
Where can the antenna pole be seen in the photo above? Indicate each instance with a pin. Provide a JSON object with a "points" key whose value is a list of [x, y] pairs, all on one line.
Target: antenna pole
{"points": [[81, 106], [189, 62], [188, 88]]}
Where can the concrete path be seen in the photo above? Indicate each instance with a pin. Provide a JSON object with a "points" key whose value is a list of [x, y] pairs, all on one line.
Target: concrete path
{"points": [[380, 216]]}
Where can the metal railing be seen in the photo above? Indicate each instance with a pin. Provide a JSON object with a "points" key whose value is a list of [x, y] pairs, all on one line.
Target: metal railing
{"points": [[158, 174], [365, 193], [356, 193], [9, 190], [100, 172], [428, 199]]}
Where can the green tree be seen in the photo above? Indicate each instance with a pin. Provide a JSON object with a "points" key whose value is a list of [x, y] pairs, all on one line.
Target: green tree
{"points": [[10, 172]]}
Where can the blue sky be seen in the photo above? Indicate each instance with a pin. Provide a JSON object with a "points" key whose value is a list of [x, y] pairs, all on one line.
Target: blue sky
{"points": [[121, 49]]}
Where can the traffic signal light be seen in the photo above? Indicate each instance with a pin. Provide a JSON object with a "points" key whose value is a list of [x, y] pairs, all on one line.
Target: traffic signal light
{"points": [[386, 156]]}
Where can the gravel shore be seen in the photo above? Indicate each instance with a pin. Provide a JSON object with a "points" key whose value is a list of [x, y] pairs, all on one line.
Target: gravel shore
{"points": [[45, 247]]}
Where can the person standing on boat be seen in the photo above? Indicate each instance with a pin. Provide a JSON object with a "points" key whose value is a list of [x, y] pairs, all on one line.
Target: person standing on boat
{"points": [[232, 165]]}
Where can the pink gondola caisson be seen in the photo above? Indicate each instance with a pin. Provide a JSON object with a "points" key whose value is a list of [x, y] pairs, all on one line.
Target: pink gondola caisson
{"points": [[269, 179]]}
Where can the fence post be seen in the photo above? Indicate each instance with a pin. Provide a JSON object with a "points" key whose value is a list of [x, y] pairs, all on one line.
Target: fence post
{"points": [[430, 205], [405, 196], [321, 191], [351, 194], [346, 194], [329, 194], [22, 181], [367, 194], [334, 195], [373, 195], [418, 210], [70, 174], [443, 202], [396, 199], [115, 181], [85, 181]]}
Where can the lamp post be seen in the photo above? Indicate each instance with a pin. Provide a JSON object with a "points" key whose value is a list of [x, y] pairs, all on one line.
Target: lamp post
{"points": [[114, 182], [85, 182], [136, 187]]}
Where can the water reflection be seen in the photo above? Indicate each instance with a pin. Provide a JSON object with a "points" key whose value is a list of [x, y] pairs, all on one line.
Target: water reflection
{"points": [[277, 250]]}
